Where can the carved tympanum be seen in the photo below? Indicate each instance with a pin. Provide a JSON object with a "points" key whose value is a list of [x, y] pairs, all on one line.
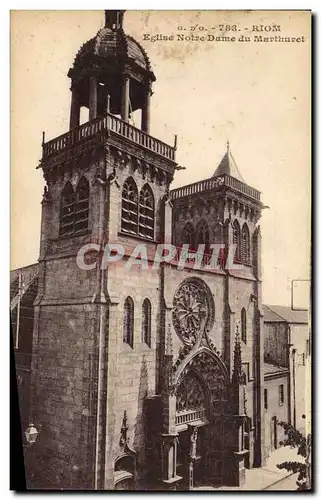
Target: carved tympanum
{"points": [[190, 394]]}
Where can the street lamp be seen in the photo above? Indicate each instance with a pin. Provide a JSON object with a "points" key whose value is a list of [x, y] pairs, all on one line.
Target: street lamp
{"points": [[31, 434]]}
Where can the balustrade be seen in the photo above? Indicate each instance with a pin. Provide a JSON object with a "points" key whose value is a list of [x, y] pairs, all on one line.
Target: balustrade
{"points": [[115, 125]]}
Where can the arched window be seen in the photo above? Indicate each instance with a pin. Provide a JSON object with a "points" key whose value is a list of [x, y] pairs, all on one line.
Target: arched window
{"points": [[188, 236], [129, 212], [203, 236], [81, 206], [128, 325], [245, 245], [243, 325], [146, 322], [146, 212], [67, 210], [237, 241]]}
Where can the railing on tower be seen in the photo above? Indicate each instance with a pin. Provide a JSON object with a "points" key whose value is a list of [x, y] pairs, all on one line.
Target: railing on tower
{"points": [[115, 125], [213, 182]]}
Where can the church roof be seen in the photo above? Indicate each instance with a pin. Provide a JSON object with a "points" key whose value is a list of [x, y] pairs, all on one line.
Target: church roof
{"points": [[272, 369], [281, 314], [228, 166]]}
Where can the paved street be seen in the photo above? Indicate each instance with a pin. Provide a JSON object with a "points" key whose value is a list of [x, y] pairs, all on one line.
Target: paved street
{"points": [[268, 477], [286, 484]]}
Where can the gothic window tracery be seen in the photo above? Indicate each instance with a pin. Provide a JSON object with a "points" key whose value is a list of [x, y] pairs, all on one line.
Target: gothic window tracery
{"points": [[187, 237], [81, 206], [146, 212], [245, 245], [67, 210], [237, 241], [128, 322], [146, 322], [129, 212], [203, 237], [193, 309]]}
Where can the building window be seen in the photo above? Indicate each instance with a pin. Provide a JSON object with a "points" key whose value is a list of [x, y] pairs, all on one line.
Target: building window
{"points": [[81, 206], [188, 236], [128, 326], [265, 399], [129, 212], [237, 241], [67, 210], [245, 245], [146, 213], [281, 394], [146, 322], [243, 325]]}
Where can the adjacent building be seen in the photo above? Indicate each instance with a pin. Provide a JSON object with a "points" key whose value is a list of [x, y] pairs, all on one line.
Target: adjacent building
{"points": [[287, 346]]}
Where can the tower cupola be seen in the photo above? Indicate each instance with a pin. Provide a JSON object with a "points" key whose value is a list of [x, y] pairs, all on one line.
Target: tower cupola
{"points": [[111, 73]]}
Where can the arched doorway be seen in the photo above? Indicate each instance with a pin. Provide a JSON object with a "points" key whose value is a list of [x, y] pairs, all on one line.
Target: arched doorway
{"points": [[201, 398]]}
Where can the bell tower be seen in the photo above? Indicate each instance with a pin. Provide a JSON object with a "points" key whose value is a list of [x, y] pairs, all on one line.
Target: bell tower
{"points": [[96, 329]]}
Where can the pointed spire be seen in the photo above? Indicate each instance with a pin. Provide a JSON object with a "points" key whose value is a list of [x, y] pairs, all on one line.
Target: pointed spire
{"points": [[228, 166]]}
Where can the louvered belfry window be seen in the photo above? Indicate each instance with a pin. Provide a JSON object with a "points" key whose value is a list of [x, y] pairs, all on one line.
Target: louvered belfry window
{"points": [[81, 206], [129, 213], [67, 210], [74, 208], [146, 213]]}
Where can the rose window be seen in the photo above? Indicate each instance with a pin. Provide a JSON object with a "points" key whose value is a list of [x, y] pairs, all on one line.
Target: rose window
{"points": [[191, 311]]}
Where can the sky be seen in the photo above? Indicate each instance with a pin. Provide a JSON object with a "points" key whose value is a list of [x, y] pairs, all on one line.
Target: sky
{"points": [[256, 95]]}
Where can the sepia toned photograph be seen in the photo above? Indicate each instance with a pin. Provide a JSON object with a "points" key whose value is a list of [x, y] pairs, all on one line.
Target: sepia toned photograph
{"points": [[160, 277]]}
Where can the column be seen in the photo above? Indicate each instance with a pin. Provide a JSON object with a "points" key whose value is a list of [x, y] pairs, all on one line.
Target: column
{"points": [[125, 99], [74, 110], [146, 113], [92, 97], [169, 479]]}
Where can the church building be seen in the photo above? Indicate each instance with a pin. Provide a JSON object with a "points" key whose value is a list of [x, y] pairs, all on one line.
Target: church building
{"points": [[143, 377]]}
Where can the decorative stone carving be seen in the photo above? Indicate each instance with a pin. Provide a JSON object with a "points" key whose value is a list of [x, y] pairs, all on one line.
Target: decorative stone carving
{"points": [[190, 394], [123, 431], [210, 369], [192, 311]]}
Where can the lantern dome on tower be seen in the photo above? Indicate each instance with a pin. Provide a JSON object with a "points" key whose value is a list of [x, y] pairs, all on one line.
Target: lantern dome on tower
{"points": [[112, 57], [111, 45]]}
